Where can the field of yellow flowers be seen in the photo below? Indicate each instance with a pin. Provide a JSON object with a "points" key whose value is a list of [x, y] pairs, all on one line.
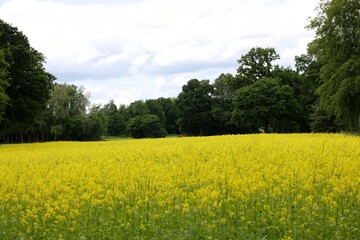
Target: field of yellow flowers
{"points": [[300, 186]]}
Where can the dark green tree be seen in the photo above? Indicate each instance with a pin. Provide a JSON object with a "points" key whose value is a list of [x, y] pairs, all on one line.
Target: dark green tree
{"points": [[304, 93], [109, 108], [336, 47], [95, 124], [222, 107], [319, 120], [116, 121], [194, 106], [137, 108], [169, 107], [322, 121], [155, 108], [146, 126], [267, 105], [116, 124], [3, 85], [29, 85]]}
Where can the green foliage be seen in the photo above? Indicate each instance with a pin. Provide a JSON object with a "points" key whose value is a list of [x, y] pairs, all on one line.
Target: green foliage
{"points": [[194, 105], [95, 124], [116, 120], [322, 121], [146, 126], [135, 118], [3, 85], [137, 108], [304, 93], [337, 49], [168, 105], [67, 118], [116, 124], [222, 107], [156, 109], [266, 104], [67, 100], [256, 64], [269, 97], [29, 85]]}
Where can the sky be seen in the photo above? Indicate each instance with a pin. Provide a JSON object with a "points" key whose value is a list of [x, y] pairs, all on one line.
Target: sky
{"points": [[127, 50]]}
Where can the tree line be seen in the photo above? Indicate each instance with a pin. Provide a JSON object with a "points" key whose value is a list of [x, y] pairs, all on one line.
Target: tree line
{"points": [[322, 93]]}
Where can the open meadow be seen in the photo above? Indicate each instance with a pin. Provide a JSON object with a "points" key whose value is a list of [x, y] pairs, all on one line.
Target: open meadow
{"points": [[296, 186]]}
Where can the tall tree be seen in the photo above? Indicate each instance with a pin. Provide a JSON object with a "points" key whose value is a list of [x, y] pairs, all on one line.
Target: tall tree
{"points": [[337, 49], [303, 90], [137, 108], [156, 109], [116, 121], [3, 85], [29, 84], [194, 105], [266, 104], [95, 124], [319, 120], [66, 111], [169, 107], [224, 95], [256, 64]]}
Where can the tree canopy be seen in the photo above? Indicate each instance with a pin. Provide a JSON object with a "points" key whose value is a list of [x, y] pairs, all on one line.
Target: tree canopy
{"points": [[194, 107], [337, 49], [28, 85], [3, 85], [268, 105], [256, 64]]}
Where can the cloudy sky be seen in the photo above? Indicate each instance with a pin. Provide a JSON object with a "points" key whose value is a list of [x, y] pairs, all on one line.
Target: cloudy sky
{"points": [[128, 50]]}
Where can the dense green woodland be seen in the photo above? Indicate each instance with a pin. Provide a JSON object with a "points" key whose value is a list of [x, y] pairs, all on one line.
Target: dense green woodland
{"points": [[322, 93]]}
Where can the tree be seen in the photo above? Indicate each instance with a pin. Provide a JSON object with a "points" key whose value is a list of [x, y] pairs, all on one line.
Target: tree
{"points": [[322, 121], [318, 119], [155, 108], [256, 64], [303, 91], [266, 104], [194, 107], [3, 85], [116, 121], [95, 124], [222, 108], [29, 85], [66, 112], [146, 126], [137, 108], [169, 107], [109, 108], [337, 49], [309, 69]]}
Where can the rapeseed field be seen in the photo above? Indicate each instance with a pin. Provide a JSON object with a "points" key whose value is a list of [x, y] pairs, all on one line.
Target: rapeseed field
{"points": [[297, 186]]}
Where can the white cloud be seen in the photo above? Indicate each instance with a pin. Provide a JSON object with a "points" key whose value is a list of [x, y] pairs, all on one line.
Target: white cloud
{"points": [[128, 50]]}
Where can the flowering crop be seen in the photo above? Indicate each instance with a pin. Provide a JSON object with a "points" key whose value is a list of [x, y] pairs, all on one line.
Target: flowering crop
{"points": [[304, 186]]}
